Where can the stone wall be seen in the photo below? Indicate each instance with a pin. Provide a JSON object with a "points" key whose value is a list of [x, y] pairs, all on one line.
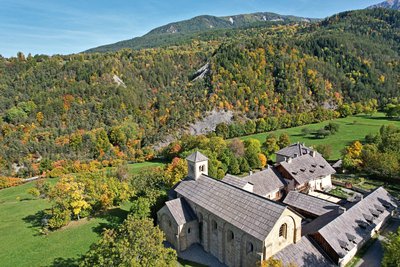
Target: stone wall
{"points": [[321, 184], [274, 242], [227, 243], [188, 235], [168, 225]]}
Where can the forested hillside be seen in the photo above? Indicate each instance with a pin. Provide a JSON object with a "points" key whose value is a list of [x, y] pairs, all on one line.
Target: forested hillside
{"points": [[201, 27], [117, 104]]}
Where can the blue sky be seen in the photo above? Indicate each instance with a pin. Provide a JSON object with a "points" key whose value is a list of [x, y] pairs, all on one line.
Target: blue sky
{"points": [[71, 26]]}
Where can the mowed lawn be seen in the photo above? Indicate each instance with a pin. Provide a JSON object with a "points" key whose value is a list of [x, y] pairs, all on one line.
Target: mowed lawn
{"points": [[22, 245], [136, 168], [351, 128]]}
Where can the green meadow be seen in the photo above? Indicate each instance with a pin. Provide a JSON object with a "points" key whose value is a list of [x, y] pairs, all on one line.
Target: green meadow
{"points": [[21, 243], [351, 128]]}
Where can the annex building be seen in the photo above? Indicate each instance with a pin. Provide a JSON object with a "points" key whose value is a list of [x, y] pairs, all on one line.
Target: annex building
{"points": [[242, 221]]}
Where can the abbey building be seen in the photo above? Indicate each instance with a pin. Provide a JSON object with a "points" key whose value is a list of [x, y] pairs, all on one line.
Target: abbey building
{"points": [[242, 221]]}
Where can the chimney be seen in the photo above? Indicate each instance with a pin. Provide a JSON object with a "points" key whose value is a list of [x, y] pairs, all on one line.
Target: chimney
{"points": [[313, 153], [249, 187], [289, 160], [251, 172], [358, 197]]}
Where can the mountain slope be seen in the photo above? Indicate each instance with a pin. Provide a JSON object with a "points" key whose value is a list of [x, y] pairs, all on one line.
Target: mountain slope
{"points": [[113, 105], [391, 4], [178, 32]]}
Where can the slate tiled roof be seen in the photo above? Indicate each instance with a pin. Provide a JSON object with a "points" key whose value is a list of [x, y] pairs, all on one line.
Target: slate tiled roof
{"points": [[181, 211], [310, 204], [356, 224], [306, 168], [303, 253], [266, 181], [252, 214], [196, 157], [235, 181], [294, 149]]}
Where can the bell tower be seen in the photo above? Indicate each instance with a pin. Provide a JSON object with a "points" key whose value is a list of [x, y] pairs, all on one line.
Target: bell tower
{"points": [[197, 165]]}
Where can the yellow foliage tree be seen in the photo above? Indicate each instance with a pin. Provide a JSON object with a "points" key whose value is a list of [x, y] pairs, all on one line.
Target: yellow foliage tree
{"points": [[263, 159], [176, 171]]}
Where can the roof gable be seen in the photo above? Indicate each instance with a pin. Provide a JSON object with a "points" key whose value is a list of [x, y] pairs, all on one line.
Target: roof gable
{"points": [[251, 213], [306, 168], [294, 150], [265, 181], [180, 211]]}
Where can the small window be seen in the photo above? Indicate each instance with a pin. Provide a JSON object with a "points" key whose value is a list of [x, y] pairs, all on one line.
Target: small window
{"points": [[283, 231], [250, 247], [169, 223], [201, 168], [231, 236], [214, 226], [189, 230]]}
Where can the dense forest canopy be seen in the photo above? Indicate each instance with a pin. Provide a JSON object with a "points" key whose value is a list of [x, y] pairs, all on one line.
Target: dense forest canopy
{"points": [[116, 104]]}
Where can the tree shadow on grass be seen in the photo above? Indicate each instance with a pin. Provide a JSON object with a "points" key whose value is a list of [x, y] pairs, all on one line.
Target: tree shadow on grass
{"points": [[114, 217], [36, 221], [61, 262]]}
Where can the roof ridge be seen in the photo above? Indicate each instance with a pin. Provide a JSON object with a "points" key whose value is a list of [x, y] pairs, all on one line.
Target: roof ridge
{"points": [[248, 192]]}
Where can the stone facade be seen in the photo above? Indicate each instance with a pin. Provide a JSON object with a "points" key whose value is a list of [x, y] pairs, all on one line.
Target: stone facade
{"points": [[226, 242], [236, 221]]}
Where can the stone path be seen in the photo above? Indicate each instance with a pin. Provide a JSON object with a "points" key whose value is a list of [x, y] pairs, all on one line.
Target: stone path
{"points": [[197, 254]]}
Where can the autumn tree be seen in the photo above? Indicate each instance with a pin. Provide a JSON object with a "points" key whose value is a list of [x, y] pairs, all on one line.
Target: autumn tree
{"points": [[352, 156], [135, 243], [237, 147], [222, 130], [325, 150], [283, 141], [391, 248], [271, 144], [176, 171], [252, 149]]}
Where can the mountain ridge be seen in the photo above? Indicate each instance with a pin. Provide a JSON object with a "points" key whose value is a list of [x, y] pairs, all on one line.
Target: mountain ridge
{"points": [[174, 31], [391, 4]]}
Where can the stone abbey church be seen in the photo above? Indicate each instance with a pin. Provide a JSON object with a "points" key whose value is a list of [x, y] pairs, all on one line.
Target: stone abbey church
{"points": [[242, 221]]}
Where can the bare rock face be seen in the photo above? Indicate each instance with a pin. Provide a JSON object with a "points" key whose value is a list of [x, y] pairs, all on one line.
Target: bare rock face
{"points": [[210, 121], [391, 4], [201, 73], [118, 81]]}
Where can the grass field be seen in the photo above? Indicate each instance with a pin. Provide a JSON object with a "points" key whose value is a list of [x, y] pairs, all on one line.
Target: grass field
{"points": [[135, 168], [22, 245], [351, 129]]}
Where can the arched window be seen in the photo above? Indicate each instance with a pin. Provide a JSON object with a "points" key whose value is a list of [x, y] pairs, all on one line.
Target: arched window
{"points": [[250, 247], [189, 230], [230, 236], [201, 168], [169, 223], [214, 226], [283, 231]]}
